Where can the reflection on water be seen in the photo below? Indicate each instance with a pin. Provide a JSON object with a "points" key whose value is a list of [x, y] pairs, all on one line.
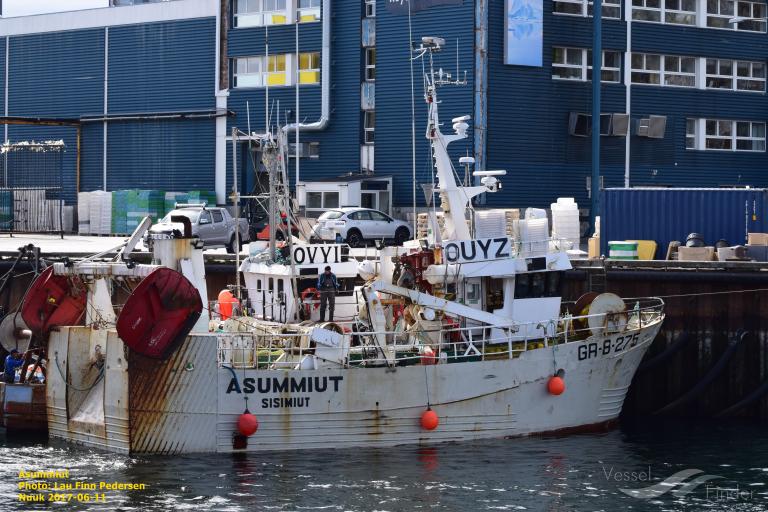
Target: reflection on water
{"points": [[549, 474]]}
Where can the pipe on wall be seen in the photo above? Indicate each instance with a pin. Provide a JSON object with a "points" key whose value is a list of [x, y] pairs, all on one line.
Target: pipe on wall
{"points": [[325, 79]]}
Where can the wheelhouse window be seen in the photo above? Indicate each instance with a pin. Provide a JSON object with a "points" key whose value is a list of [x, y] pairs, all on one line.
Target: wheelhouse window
{"points": [[256, 13]]}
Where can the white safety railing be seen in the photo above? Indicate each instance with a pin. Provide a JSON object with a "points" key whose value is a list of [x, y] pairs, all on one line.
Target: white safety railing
{"points": [[448, 343]]}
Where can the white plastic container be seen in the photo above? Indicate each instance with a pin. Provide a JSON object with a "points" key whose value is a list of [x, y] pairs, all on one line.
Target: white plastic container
{"points": [[565, 221], [83, 213]]}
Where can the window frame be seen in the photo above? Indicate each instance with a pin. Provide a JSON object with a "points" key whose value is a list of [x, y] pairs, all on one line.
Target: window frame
{"points": [[257, 17], [305, 71], [370, 8], [585, 66], [369, 127], [696, 131], [734, 78], [306, 12], [662, 72], [370, 67], [585, 8]]}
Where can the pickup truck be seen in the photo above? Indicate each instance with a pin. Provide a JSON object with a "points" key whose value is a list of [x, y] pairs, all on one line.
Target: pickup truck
{"points": [[214, 226]]}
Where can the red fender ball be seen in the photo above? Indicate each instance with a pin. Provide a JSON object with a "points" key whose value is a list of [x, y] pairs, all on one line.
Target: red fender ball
{"points": [[556, 386], [429, 420], [247, 424]]}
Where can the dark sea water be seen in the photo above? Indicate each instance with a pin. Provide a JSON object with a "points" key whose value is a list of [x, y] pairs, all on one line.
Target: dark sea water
{"points": [[584, 472]]}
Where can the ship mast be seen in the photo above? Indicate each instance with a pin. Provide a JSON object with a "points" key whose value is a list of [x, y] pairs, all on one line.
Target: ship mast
{"points": [[454, 199]]}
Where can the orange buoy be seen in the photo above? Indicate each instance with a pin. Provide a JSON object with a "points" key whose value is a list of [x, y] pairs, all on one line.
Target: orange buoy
{"points": [[556, 385], [428, 356], [247, 424], [227, 302], [429, 420]]}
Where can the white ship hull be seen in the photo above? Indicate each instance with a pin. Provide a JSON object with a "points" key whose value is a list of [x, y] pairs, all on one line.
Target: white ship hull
{"points": [[189, 403]]}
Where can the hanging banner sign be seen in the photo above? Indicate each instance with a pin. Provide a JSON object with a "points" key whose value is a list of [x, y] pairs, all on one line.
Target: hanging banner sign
{"points": [[524, 33], [400, 7]]}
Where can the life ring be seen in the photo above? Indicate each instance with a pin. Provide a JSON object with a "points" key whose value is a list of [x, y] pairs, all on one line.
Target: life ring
{"points": [[311, 294]]}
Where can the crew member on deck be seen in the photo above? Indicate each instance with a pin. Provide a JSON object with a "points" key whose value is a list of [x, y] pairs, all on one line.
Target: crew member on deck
{"points": [[12, 361], [328, 286]]}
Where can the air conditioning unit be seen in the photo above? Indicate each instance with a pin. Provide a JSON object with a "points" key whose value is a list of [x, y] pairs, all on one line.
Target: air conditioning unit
{"points": [[605, 124], [579, 125], [620, 125], [652, 127]]}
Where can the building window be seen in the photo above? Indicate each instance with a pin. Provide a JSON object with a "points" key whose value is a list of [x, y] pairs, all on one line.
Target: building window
{"points": [[666, 70], [735, 75], [690, 133], [260, 71], [646, 69], [646, 10], [611, 8], [750, 76], [369, 125], [680, 12], [256, 13], [276, 74], [248, 72], [679, 71], [748, 16], [576, 64], [308, 11], [724, 135], [370, 64], [610, 70], [322, 200], [568, 63], [309, 68], [370, 8]]}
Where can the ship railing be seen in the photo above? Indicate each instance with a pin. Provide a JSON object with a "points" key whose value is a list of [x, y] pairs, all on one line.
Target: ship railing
{"points": [[442, 343]]}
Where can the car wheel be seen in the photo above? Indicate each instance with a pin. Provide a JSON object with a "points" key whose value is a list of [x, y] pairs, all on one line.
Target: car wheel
{"points": [[401, 235], [231, 245], [354, 238]]}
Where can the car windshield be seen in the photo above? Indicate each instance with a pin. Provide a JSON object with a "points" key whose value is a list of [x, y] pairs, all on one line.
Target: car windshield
{"points": [[192, 215], [330, 215]]}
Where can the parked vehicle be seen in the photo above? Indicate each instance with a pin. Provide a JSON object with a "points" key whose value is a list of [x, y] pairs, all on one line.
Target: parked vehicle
{"points": [[214, 226], [356, 225]]}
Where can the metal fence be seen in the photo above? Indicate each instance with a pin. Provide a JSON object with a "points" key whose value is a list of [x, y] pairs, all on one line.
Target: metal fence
{"points": [[31, 187]]}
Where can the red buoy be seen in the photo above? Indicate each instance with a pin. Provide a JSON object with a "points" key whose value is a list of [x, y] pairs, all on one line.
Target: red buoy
{"points": [[159, 314], [429, 420], [556, 385], [227, 302], [247, 424], [53, 301]]}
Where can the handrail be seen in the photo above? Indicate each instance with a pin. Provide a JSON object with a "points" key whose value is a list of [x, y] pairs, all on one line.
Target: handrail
{"points": [[272, 350]]}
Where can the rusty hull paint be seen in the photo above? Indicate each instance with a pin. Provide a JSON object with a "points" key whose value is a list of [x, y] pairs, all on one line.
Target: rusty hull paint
{"points": [[24, 416], [173, 403]]}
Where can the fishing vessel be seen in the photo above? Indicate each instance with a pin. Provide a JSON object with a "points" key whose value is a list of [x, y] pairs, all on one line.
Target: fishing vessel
{"points": [[446, 338]]}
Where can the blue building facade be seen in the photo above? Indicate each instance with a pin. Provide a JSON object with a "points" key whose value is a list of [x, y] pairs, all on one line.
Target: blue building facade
{"points": [[160, 87]]}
